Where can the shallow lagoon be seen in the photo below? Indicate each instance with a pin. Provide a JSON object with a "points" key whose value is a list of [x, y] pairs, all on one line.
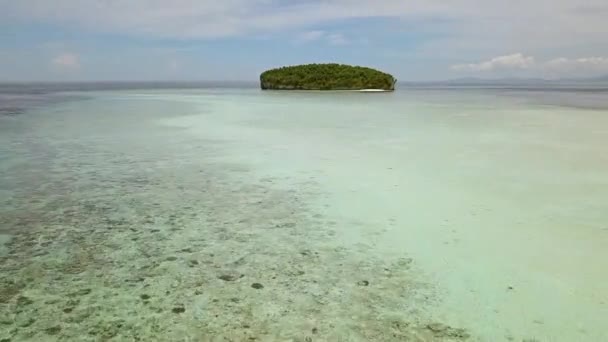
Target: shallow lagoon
{"points": [[205, 213]]}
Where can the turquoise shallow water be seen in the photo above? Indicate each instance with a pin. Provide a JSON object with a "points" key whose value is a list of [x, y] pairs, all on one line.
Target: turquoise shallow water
{"points": [[201, 214]]}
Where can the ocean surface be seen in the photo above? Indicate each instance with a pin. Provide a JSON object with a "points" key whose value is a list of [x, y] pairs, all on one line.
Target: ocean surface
{"points": [[219, 212]]}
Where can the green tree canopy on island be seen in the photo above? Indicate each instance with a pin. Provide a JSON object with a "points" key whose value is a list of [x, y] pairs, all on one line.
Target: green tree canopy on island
{"points": [[326, 77]]}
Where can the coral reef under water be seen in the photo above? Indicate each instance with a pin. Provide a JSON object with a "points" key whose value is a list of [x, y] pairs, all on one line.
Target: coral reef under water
{"points": [[230, 259]]}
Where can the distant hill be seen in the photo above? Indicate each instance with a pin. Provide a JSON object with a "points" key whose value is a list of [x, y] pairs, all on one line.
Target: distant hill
{"points": [[515, 82], [600, 79]]}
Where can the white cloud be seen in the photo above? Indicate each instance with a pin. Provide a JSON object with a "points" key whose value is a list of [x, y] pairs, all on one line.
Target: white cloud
{"points": [[596, 63], [587, 66], [514, 61], [337, 39], [309, 36], [329, 38], [444, 31], [66, 61], [558, 20], [557, 67]]}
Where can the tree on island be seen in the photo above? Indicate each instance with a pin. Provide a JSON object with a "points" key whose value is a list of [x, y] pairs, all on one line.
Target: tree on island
{"points": [[326, 77]]}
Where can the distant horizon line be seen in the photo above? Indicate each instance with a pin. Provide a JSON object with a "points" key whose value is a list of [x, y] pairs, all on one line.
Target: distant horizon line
{"points": [[452, 80]]}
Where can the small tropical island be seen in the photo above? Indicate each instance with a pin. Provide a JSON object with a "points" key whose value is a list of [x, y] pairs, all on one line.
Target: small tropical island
{"points": [[329, 76]]}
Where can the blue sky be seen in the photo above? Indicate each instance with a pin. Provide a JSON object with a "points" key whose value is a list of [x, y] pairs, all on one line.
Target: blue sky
{"points": [[237, 39]]}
